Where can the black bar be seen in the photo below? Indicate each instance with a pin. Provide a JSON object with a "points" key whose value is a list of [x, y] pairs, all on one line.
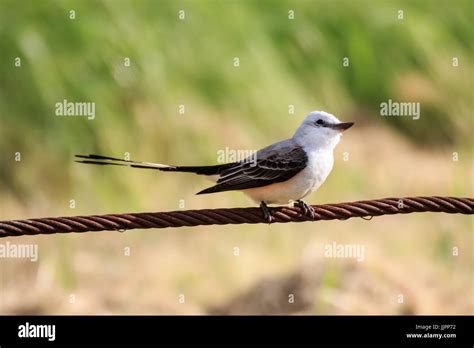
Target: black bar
{"points": [[289, 330]]}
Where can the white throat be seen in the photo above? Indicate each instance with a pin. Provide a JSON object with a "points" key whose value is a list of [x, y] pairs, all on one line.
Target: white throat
{"points": [[312, 140]]}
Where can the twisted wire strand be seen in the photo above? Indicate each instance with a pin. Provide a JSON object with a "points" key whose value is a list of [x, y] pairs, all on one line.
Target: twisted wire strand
{"points": [[224, 216]]}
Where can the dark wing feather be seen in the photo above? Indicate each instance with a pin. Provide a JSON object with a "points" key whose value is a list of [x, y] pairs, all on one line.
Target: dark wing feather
{"points": [[270, 166]]}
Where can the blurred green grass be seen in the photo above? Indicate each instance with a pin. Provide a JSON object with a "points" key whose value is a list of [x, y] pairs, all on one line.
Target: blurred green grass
{"points": [[190, 62]]}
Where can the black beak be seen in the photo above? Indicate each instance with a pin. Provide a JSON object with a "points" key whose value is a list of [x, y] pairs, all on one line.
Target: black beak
{"points": [[342, 126]]}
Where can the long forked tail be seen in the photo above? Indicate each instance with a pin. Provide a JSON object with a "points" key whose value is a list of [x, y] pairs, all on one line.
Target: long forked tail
{"points": [[105, 160]]}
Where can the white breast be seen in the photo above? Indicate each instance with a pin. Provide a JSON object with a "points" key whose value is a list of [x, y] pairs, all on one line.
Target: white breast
{"points": [[308, 180]]}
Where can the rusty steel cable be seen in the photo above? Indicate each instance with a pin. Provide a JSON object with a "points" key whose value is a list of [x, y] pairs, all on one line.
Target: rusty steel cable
{"points": [[337, 211]]}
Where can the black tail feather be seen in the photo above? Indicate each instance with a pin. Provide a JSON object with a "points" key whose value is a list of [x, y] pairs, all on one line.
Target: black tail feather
{"points": [[106, 160], [99, 157]]}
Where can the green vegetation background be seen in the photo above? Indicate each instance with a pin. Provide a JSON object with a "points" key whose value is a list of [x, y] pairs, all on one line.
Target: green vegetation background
{"points": [[190, 62]]}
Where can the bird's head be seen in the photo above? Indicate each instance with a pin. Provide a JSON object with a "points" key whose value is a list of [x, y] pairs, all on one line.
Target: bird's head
{"points": [[320, 129]]}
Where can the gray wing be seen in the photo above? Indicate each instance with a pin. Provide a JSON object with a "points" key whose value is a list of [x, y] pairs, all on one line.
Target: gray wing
{"points": [[275, 163]]}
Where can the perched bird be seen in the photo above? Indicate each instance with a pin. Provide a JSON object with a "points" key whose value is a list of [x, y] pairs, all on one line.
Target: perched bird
{"points": [[285, 171]]}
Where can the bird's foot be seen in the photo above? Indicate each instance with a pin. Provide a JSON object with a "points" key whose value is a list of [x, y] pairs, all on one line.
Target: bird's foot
{"points": [[307, 209], [267, 214]]}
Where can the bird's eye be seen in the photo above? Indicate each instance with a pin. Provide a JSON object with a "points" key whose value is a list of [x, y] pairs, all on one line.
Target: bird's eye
{"points": [[320, 122]]}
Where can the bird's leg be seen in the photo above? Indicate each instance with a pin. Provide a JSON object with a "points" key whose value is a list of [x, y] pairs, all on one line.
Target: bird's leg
{"points": [[267, 214], [307, 209]]}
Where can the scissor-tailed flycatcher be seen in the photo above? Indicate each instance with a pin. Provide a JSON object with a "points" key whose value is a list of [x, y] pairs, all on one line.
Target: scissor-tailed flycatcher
{"points": [[286, 171]]}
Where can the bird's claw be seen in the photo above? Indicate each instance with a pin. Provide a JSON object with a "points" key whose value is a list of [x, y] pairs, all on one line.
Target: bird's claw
{"points": [[267, 214], [307, 209]]}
